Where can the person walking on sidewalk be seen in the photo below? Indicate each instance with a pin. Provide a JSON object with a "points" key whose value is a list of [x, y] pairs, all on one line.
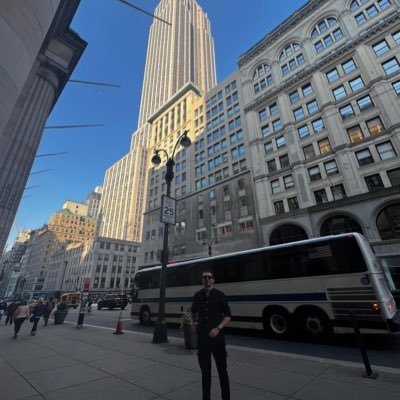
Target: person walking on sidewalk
{"points": [[211, 313], [3, 308], [48, 308], [37, 313], [20, 315], [10, 312]]}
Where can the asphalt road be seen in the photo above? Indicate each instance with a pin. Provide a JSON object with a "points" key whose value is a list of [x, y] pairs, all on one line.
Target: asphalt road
{"points": [[383, 350]]}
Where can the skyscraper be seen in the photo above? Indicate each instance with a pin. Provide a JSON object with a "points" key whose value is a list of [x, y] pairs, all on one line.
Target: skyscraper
{"points": [[179, 53]]}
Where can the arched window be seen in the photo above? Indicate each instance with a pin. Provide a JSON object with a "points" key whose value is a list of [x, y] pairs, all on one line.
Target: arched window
{"points": [[367, 9], [262, 77], [291, 57], [287, 233], [325, 34], [340, 224], [388, 222]]}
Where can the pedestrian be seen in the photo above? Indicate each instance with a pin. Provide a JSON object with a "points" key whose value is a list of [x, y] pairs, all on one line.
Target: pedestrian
{"points": [[48, 308], [211, 313], [21, 313], [10, 312], [3, 308], [37, 313]]}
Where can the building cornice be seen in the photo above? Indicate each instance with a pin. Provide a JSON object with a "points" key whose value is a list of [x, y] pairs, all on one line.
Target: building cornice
{"points": [[189, 87], [296, 18], [335, 54]]}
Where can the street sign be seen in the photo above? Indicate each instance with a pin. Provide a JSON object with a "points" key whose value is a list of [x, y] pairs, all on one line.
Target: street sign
{"points": [[168, 210], [86, 284]]}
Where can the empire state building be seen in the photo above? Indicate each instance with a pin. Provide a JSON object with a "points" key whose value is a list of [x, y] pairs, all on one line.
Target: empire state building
{"points": [[179, 52]]}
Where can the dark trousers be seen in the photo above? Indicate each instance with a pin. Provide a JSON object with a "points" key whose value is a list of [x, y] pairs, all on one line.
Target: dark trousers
{"points": [[9, 319], [17, 324], [35, 322], [216, 347], [46, 319]]}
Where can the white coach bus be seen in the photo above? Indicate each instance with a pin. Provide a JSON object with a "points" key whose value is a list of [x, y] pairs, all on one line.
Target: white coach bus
{"points": [[309, 286]]}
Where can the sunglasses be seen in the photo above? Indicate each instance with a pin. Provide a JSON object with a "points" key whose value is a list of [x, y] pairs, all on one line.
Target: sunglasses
{"points": [[207, 277]]}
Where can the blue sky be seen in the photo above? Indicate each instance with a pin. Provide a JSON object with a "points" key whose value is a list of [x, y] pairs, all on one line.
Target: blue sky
{"points": [[116, 52]]}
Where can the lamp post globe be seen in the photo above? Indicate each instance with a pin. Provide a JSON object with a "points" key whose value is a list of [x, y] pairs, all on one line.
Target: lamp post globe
{"points": [[160, 327]]}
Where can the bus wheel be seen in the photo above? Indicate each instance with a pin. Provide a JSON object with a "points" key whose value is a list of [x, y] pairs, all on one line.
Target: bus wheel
{"points": [[277, 322], [314, 323], [145, 316]]}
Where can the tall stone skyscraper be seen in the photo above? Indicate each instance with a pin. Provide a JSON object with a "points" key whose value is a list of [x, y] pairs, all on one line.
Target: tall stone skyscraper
{"points": [[177, 54]]}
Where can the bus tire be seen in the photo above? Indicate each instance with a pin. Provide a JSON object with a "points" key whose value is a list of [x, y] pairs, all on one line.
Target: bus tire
{"points": [[145, 316], [313, 322], [277, 322]]}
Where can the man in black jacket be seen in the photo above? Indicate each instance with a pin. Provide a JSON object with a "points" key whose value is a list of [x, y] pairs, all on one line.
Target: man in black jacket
{"points": [[37, 313], [211, 314]]}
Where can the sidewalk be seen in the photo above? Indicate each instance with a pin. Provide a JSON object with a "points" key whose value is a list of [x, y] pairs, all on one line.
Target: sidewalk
{"points": [[62, 362]]}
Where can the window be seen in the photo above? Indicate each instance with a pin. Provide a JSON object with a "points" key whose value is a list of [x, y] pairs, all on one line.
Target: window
{"points": [[287, 233], [364, 157], [332, 75], [346, 111], [314, 173], [349, 66], [396, 87], [284, 161], [391, 66], [268, 148], [339, 92], [293, 203], [271, 165], [280, 142], [396, 37], [365, 102], [356, 84], [338, 192], [308, 152], [307, 89], [355, 134], [360, 19], [388, 222], [298, 113], [279, 207], [294, 62], [303, 131], [312, 107], [339, 224], [294, 97], [324, 146], [318, 125], [374, 182], [288, 181], [262, 78], [380, 48], [375, 126], [394, 176], [385, 150], [276, 125], [265, 130], [275, 186], [324, 27], [320, 196], [331, 168]]}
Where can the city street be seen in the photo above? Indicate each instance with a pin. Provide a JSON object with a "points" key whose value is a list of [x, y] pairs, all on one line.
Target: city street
{"points": [[383, 350]]}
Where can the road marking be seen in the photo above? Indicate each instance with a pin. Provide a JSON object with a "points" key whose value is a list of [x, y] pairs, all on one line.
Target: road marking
{"points": [[269, 352]]}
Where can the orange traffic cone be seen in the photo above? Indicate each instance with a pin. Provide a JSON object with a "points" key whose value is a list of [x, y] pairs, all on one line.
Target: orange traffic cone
{"points": [[118, 331]]}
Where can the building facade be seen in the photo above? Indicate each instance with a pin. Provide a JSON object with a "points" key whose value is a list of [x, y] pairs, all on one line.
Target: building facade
{"points": [[70, 226], [38, 54], [178, 54], [109, 264], [321, 98], [93, 202]]}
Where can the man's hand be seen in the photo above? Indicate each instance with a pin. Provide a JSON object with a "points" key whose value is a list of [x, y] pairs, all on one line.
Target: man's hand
{"points": [[213, 333]]}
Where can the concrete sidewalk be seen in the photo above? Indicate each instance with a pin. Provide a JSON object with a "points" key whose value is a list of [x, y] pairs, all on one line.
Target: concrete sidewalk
{"points": [[62, 362]]}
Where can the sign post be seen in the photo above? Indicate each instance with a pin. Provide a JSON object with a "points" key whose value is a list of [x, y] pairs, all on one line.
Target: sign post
{"points": [[168, 210]]}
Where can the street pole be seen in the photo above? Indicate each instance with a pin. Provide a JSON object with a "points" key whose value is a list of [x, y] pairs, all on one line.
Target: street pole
{"points": [[160, 334]]}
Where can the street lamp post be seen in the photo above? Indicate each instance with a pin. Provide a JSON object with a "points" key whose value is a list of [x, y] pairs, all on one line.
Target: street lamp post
{"points": [[209, 243], [160, 328]]}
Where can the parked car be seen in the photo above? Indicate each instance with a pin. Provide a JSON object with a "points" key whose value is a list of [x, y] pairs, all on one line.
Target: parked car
{"points": [[112, 301]]}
